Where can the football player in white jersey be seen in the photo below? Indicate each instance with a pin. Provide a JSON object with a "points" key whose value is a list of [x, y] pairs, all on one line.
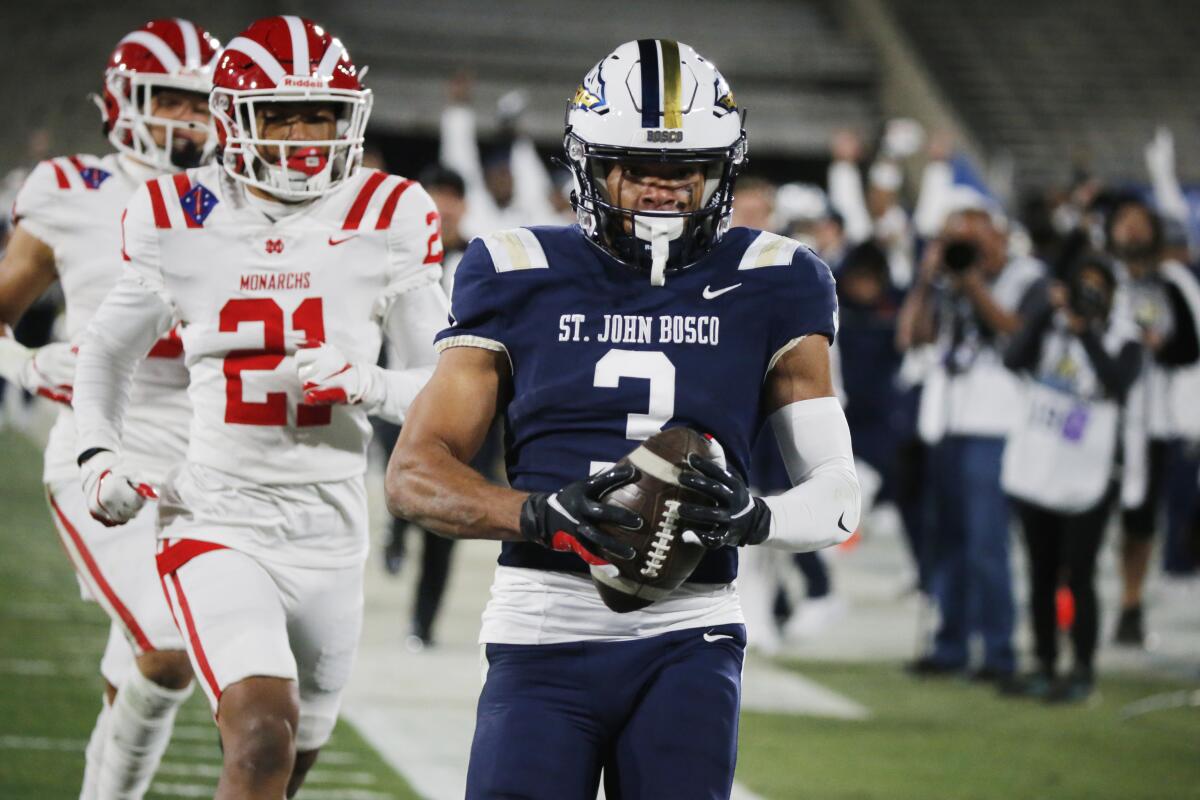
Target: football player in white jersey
{"points": [[68, 215], [282, 264]]}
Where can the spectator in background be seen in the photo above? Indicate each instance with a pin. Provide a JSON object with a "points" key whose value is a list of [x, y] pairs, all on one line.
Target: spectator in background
{"points": [[754, 203], [965, 301], [510, 187], [765, 598], [449, 194], [876, 214], [1165, 303], [1080, 360], [803, 213], [868, 306]]}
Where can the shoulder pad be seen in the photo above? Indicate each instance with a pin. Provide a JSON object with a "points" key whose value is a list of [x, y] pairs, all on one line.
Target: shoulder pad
{"points": [[769, 250], [515, 249]]}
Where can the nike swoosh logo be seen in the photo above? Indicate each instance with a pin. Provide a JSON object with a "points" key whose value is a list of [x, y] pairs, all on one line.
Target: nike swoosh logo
{"points": [[709, 294], [842, 525], [335, 242], [716, 637]]}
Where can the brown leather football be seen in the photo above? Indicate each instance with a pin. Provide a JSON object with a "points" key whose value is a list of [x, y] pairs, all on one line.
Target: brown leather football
{"points": [[663, 559]]}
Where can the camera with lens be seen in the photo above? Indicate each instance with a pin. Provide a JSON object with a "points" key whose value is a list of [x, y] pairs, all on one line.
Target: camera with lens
{"points": [[958, 255]]}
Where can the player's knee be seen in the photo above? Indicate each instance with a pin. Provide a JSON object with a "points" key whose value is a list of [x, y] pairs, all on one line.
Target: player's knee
{"points": [[167, 668], [260, 747]]}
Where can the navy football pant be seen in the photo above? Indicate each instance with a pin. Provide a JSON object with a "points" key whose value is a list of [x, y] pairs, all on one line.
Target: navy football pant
{"points": [[658, 715]]}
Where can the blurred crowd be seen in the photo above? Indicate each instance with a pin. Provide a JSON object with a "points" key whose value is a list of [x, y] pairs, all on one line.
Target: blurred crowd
{"points": [[1029, 364], [1036, 367]]}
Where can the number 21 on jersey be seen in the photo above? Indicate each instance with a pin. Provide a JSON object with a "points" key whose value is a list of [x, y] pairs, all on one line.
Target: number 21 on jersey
{"points": [[308, 319]]}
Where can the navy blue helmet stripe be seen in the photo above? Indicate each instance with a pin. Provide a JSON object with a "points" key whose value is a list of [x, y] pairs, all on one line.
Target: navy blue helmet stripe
{"points": [[651, 105]]}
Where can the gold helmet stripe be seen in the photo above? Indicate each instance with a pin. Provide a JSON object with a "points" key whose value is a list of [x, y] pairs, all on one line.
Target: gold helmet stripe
{"points": [[672, 84]]}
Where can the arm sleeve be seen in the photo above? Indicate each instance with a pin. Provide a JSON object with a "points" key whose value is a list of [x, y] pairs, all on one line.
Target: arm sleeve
{"points": [[822, 508], [847, 198], [459, 147], [1115, 373], [38, 208], [131, 319], [531, 183], [1025, 346], [410, 325], [937, 181], [1183, 347], [806, 304], [478, 309]]}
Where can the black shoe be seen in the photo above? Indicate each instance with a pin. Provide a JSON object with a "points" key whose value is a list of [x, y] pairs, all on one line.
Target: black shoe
{"points": [[927, 667], [1129, 628], [1034, 685], [1075, 688], [991, 675]]}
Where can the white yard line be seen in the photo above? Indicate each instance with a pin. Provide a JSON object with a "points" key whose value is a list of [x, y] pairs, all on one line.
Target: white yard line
{"points": [[41, 743]]}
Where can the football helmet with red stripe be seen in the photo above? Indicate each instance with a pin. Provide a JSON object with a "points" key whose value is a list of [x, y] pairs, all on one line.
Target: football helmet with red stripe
{"points": [[162, 54], [288, 59]]}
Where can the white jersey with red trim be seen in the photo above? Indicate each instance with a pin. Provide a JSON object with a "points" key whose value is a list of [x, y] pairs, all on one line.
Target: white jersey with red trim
{"points": [[74, 204], [249, 286]]}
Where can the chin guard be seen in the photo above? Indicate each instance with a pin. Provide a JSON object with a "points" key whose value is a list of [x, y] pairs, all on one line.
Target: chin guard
{"points": [[659, 232]]}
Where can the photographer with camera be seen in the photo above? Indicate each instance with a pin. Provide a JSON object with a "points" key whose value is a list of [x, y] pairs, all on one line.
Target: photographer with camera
{"points": [[1165, 300], [964, 303], [1079, 359]]}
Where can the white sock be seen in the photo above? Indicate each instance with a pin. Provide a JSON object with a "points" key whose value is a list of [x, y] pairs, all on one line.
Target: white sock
{"points": [[95, 748], [140, 726]]}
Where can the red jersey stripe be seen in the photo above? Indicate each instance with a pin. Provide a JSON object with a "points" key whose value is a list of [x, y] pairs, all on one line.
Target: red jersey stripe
{"points": [[61, 175], [360, 203], [174, 556], [182, 187], [161, 220], [389, 205], [93, 570], [79, 167]]}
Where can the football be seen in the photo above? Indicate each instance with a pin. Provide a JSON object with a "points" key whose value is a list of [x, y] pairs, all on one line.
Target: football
{"points": [[663, 560]]}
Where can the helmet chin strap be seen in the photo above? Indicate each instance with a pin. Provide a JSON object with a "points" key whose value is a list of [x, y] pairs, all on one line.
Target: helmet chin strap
{"points": [[660, 232]]}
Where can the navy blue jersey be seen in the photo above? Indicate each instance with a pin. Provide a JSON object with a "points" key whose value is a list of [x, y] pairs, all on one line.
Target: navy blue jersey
{"points": [[601, 359]]}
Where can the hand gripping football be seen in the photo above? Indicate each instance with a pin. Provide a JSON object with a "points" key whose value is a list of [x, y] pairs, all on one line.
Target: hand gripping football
{"points": [[663, 560]]}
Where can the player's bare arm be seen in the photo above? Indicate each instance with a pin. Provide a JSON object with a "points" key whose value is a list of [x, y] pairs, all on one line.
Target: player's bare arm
{"points": [[428, 480], [26, 271]]}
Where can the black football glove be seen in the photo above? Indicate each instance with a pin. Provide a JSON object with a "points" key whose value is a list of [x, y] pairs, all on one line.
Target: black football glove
{"points": [[566, 520], [737, 519]]}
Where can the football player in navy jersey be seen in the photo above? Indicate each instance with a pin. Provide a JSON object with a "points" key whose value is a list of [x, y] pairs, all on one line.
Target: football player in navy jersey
{"points": [[650, 313]]}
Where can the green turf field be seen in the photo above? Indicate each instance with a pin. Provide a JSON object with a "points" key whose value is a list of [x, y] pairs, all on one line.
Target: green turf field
{"points": [[51, 645], [951, 740], [926, 741]]}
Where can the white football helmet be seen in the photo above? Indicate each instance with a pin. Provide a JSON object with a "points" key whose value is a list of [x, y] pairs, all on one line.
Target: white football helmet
{"points": [[659, 101]]}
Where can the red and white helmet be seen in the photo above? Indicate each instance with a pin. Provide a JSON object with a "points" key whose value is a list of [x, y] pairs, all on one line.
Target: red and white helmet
{"points": [[288, 59], [162, 54]]}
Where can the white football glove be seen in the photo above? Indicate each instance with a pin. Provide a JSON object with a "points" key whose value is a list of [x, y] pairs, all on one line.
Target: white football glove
{"points": [[329, 378], [48, 371], [112, 498]]}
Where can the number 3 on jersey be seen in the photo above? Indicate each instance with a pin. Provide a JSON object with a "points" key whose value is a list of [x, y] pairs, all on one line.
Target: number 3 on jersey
{"points": [[651, 365], [308, 319]]}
